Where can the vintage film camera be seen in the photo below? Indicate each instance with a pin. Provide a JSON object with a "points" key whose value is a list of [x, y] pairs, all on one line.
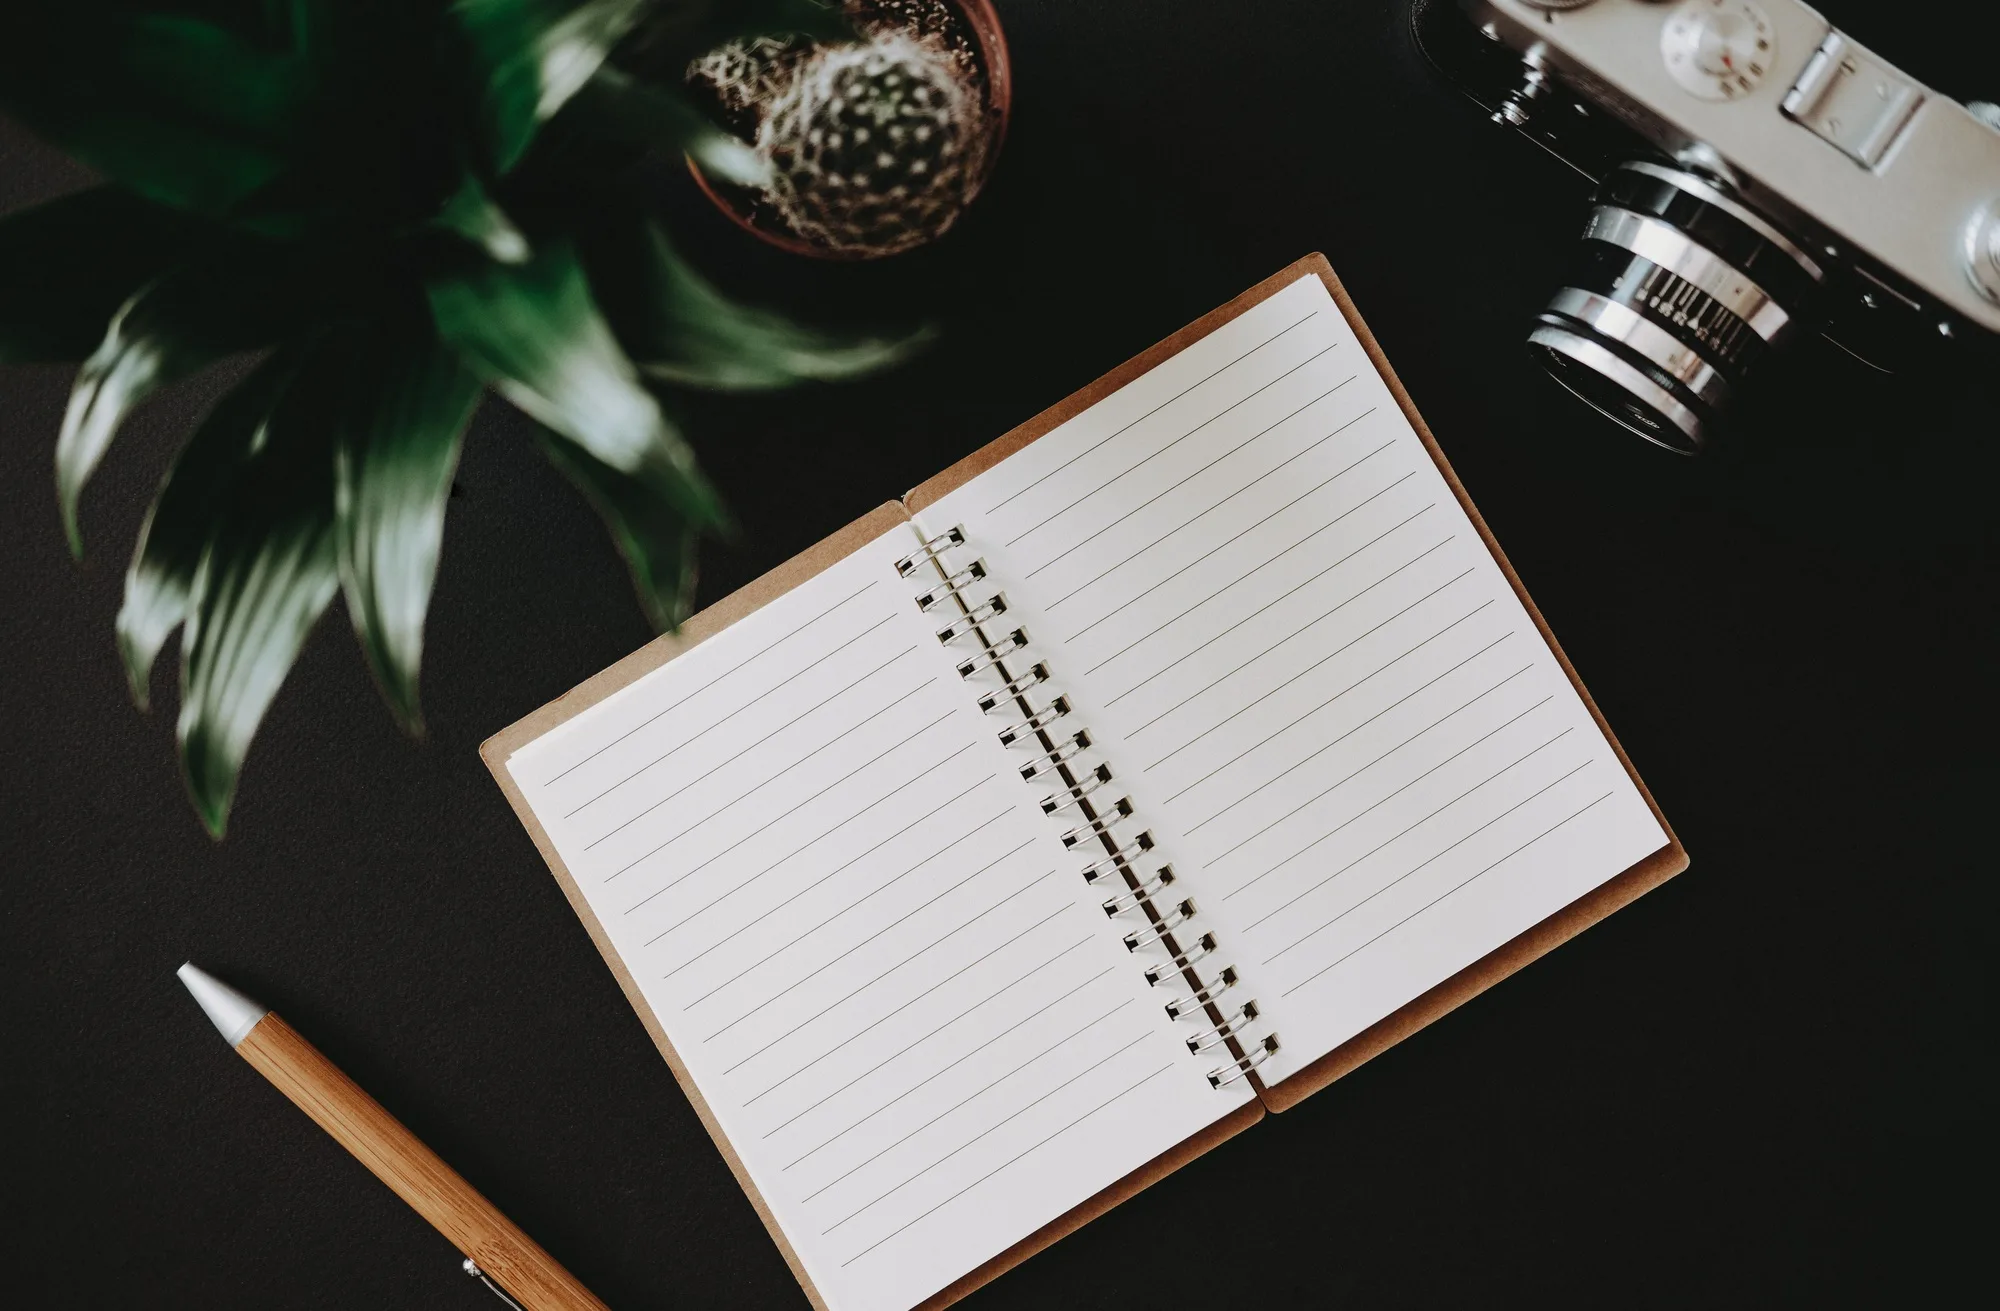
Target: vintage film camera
{"points": [[1760, 175]]}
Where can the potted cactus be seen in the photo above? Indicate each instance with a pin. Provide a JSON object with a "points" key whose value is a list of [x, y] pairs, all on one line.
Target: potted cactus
{"points": [[865, 148]]}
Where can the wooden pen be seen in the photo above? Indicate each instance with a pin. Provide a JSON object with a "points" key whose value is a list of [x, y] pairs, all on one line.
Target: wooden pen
{"points": [[495, 1249]]}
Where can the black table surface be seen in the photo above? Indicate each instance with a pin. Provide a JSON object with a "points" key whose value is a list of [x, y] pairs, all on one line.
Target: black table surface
{"points": [[1757, 1081]]}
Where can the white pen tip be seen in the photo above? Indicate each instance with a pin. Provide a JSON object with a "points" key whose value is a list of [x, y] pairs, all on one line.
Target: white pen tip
{"points": [[233, 1014]]}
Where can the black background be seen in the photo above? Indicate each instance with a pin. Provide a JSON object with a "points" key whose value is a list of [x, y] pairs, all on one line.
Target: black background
{"points": [[1759, 1082]]}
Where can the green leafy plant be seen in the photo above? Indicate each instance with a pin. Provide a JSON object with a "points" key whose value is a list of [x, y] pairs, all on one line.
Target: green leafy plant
{"points": [[399, 204]]}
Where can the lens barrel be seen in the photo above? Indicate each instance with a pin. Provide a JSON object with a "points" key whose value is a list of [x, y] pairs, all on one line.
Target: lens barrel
{"points": [[1677, 293]]}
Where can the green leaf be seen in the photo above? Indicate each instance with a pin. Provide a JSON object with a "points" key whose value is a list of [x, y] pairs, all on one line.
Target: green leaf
{"points": [[619, 108], [267, 572], [182, 111], [531, 56], [204, 476], [474, 215], [682, 330], [262, 587], [68, 264], [331, 458], [396, 444], [656, 538], [182, 321], [534, 332]]}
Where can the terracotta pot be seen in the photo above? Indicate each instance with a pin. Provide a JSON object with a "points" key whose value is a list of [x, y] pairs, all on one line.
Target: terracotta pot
{"points": [[740, 204]]}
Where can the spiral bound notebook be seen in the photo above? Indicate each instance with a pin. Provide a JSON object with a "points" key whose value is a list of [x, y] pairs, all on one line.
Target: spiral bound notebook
{"points": [[1148, 769]]}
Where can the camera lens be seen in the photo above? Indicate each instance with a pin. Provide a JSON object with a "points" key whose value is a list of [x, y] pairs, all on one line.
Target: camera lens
{"points": [[1678, 291]]}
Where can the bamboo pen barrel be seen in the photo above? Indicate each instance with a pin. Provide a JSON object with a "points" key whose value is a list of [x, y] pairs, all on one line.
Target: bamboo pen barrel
{"points": [[433, 1189]]}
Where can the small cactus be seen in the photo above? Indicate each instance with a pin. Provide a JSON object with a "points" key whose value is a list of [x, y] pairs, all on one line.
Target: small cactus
{"points": [[746, 76], [873, 147]]}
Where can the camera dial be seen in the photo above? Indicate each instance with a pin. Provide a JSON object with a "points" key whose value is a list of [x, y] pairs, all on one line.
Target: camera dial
{"points": [[1717, 49], [1678, 292]]}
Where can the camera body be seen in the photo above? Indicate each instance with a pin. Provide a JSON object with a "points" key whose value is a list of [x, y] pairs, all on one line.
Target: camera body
{"points": [[1760, 174]]}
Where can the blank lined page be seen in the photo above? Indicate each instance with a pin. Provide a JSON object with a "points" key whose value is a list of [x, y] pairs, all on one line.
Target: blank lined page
{"points": [[1264, 600], [863, 937]]}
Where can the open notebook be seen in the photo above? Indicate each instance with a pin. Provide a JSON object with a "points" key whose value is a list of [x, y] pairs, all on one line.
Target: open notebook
{"points": [[1154, 766]]}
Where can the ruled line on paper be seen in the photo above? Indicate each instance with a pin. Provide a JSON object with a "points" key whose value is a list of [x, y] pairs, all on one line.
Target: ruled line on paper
{"points": [[1312, 888], [1079, 545], [1122, 1093], [922, 906], [1322, 750], [731, 936], [1147, 549], [1441, 896], [1226, 631], [905, 1006], [796, 806], [825, 833], [1280, 687], [692, 692], [948, 1066], [684, 744], [1267, 695], [842, 868], [1150, 413], [856, 904], [1157, 452], [1374, 805], [928, 947], [973, 1096], [1211, 686], [1089, 1069], [1259, 568], [1359, 770], [769, 779]]}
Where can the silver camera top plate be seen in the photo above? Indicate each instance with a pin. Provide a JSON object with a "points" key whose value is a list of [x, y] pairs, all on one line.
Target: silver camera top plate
{"points": [[1809, 125]]}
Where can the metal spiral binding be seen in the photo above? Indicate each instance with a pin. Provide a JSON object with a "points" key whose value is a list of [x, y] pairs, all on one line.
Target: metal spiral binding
{"points": [[1105, 827], [1205, 995], [930, 551], [1057, 802], [1013, 687], [972, 573], [1258, 1054], [1054, 758], [1036, 721], [1157, 930], [1125, 901], [1220, 1033], [1203, 947]]}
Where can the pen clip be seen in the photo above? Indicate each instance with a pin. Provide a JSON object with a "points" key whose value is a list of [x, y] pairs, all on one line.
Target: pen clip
{"points": [[471, 1267]]}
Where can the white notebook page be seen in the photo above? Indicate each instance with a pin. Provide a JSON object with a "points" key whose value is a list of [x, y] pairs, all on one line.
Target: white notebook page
{"points": [[919, 1032], [1255, 586]]}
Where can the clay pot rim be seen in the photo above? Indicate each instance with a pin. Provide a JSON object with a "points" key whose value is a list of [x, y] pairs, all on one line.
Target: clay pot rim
{"points": [[992, 40]]}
